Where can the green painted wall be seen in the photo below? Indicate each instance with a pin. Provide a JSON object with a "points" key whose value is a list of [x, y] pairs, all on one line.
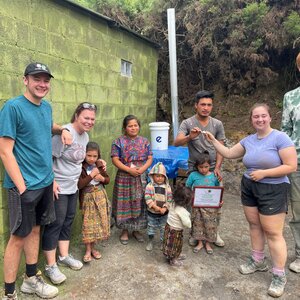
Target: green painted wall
{"points": [[84, 55]]}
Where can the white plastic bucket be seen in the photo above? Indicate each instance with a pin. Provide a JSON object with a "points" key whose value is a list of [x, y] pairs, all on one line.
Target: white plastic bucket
{"points": [[159, 135]]}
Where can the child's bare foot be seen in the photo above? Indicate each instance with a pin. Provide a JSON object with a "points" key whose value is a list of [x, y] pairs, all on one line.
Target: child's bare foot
{"points": [[176, 263], [208, 248], [198, 247]]}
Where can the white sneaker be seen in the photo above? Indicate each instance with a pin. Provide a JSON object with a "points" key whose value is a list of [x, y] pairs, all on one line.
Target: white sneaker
{"points": [[71, 262], [276, 288], [37, 285], [12, 296], [149, 246], [55, 275], [252, 266], [219, 242], [295, 265]]}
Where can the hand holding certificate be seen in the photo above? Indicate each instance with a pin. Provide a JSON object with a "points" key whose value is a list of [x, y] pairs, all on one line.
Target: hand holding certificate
{"points": [[208, 196]]}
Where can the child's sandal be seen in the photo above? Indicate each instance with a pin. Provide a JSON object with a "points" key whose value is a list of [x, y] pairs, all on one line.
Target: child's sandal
{"points": [[87, 258], [209, 250], [198, 248], [96, 254]]}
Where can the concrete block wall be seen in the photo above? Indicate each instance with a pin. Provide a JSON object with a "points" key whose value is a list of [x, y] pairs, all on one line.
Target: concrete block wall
{"points": [[84, 55]]}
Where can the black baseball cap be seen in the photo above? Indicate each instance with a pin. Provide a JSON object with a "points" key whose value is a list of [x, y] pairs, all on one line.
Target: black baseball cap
{"points": [[36, 68]]}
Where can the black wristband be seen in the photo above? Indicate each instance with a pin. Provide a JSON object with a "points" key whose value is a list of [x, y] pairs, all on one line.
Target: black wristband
{"points": [[64, 128]]}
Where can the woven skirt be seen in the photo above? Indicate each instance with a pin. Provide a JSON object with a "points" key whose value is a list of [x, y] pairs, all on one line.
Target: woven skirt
{"points": [[172, 244], [129, 207], [96, 215], [205, 224]]}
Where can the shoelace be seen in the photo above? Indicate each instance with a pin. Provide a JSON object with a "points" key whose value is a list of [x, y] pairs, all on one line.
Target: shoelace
{"points": [[251, 263], [277, 280], [52, 270], [39, 278]]}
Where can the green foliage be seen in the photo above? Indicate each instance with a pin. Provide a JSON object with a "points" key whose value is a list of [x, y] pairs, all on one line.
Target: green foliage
{"points": [[292, 24], [238, 45], [254, 13], [279, 103], [213, 9], [205, 2], [87, 3], [130, 7]]}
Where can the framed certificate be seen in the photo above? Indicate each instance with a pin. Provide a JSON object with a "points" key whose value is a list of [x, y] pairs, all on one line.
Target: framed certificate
{"points": [[208, 196]]}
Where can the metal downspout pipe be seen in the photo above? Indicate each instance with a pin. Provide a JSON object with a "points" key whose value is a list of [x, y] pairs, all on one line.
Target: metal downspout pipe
{"points": [[173, 68]]}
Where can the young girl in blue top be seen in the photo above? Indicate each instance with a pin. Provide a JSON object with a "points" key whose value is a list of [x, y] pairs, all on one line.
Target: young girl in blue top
{"points": [[204, 220]]}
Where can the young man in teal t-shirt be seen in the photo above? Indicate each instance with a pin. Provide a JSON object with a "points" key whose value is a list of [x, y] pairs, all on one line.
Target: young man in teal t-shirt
{"points": [[25, 150]]}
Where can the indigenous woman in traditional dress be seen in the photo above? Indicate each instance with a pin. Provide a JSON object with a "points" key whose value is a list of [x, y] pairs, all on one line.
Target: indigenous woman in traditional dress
{"points": [[132, 155], [93, 201]]}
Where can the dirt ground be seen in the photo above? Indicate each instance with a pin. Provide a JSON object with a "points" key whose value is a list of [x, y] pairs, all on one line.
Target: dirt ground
{"points": [[131, 272]]}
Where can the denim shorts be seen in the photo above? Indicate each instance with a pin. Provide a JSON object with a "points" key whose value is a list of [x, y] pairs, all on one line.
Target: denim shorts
{"points": [[33, 207], [270, 199]]}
